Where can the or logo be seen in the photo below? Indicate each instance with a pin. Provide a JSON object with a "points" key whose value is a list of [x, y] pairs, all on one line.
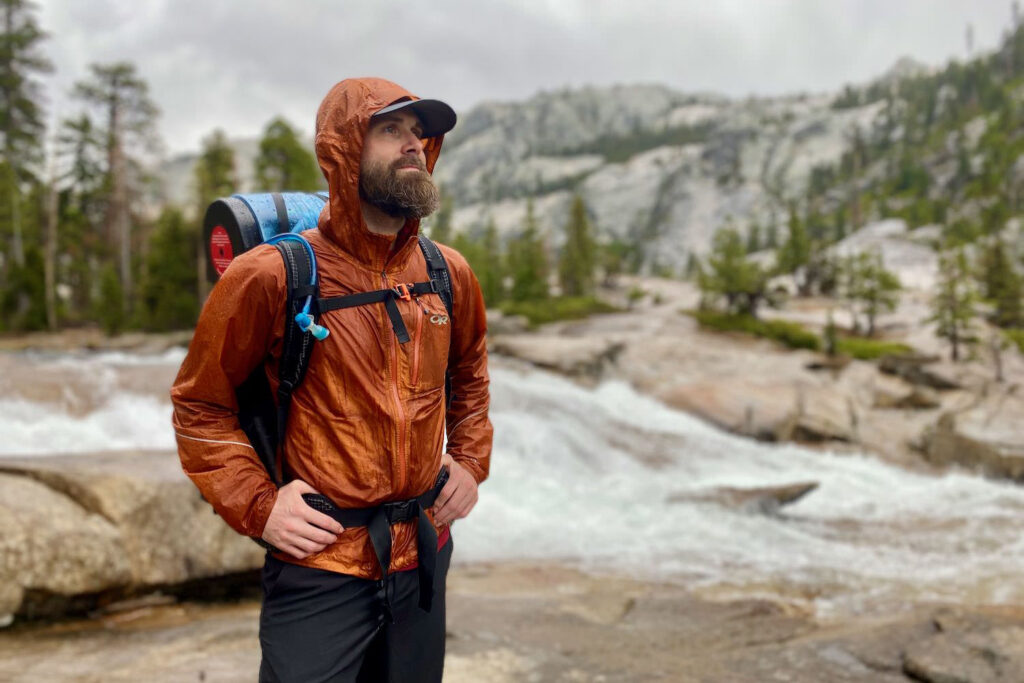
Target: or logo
{"points": [[439, 319]]}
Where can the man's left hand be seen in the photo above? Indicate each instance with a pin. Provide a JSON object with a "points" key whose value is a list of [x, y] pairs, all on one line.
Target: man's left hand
{"points": [[458, 496]]}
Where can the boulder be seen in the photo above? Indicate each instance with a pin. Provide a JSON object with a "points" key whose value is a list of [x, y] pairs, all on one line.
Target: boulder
{"points": [[988, 436], [971, 648], [763, 500], [106, 524], [740, 405], [820, 414], [918, 398], [921, 370], [583, 357]]}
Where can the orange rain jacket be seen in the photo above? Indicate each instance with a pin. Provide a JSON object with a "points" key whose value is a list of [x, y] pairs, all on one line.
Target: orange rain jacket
{"points": [[367, 424]]}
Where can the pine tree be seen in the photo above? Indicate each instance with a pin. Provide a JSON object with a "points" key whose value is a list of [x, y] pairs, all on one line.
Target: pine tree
{"points": [[578, 261], [528, 262], [215, 176], [80, 213], [283, 163], [731, 275], [21, 115], [441, 222], [1002, 285], [754, 238], [871, 287], [492, 275], [953, 306], [123, 97], [795, 252], [168, 295]]}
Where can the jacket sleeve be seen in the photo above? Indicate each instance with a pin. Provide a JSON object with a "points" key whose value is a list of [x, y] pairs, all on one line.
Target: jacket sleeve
{"points": [[470, 433], [239, 328]]}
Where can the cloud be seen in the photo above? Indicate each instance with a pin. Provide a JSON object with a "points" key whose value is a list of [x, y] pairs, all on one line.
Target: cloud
{"points": [[235, 65]]}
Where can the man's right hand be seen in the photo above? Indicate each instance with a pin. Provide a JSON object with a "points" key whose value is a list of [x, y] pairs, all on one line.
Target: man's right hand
{"points": [[294, 527]]}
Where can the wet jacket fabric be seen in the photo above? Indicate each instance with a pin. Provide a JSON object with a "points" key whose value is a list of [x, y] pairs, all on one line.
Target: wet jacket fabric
{"points": [[367, 424]]}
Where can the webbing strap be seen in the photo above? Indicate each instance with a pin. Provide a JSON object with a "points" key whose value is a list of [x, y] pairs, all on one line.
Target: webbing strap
{"points": [[378, 521], [388, 296]]}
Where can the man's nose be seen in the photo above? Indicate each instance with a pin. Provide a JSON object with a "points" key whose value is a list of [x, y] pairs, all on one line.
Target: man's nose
{"points": [[412, 144]]}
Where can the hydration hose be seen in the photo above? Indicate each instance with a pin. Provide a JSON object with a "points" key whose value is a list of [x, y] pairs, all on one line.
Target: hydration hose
{"points": [[303, 319]]}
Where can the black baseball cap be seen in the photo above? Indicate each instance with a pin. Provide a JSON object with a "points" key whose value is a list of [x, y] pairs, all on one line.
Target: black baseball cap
{"points": [[436, 117]]}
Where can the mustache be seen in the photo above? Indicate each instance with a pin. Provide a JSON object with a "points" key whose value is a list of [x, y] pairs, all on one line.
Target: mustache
{"points": [[409, 161]]}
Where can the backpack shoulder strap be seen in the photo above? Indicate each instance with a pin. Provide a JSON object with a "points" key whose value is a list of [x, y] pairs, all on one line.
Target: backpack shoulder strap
{"points": [[297, 345], [441, 280], [437, 269]]}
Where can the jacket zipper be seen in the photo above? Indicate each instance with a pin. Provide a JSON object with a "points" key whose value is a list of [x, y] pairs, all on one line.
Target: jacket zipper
{"points": [[401, 456], [421, 314]]}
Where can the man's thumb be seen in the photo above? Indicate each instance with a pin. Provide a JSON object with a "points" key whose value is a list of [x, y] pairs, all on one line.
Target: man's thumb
{"points": [[302, 487]]}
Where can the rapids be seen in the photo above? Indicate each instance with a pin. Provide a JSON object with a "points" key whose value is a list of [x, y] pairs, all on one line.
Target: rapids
{"points": [[584, 476]]}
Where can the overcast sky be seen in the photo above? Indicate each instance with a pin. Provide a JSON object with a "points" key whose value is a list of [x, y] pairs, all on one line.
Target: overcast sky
{"points": [[235, 64]]}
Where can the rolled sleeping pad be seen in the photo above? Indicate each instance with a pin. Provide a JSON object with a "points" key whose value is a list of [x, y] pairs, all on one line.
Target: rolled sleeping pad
{"points": [[236, 224]]}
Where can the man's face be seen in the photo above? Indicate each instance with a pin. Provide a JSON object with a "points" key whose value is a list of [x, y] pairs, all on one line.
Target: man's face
{"points": [[393, 174]]}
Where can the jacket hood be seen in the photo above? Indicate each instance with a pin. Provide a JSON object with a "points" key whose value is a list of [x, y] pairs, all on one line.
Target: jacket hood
{"points": [[341, 125]]}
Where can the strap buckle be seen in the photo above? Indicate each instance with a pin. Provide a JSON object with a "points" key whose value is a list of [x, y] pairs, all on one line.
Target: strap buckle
{"points": [[400, 511], [402, 292]]}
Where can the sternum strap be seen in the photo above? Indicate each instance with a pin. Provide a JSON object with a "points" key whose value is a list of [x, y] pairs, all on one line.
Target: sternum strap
{"points": [[387, 296]]}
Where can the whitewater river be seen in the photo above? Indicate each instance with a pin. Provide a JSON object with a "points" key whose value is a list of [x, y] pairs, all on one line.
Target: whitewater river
{"points": [[585, 476]]}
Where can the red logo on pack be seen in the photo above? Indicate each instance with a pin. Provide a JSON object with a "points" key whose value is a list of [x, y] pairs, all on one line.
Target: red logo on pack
{"points": [[221, 252]]}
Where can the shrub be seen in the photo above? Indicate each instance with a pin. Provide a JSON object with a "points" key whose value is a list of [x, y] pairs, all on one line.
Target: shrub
{"points": [[1017, 337], [790, 334], [863, 348], [559, 308]]}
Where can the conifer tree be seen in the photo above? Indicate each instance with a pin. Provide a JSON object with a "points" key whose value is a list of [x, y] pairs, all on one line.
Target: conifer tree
{"points": [[123, 98], [729, 274], [578, 261], [870, 287], [441, 222], [168, 290], [80, 212], [528, 262], [215, 176], [1002, 285], [795, 252], [754, 237], [492, 274], [953, 306], [21, 115], [283, 163]]}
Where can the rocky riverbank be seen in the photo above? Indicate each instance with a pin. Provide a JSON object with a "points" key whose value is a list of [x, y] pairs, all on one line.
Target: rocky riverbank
{"points": [[919, 411], [509, 623]]}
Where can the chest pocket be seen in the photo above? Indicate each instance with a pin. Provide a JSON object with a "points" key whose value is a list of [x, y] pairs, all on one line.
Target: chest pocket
{"points": [[431, 335]]}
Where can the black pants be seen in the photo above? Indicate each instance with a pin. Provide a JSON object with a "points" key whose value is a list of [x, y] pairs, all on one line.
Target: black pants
{"points": [[318, 626]]}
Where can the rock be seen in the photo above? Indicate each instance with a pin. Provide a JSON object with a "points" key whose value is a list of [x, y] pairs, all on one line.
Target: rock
{"points": [[919, 398], [584, 357], [972, 648], [820, 414], [498, 323], [135, 520], [987, 436], [764, 500], [912, 368], [737, 404]]}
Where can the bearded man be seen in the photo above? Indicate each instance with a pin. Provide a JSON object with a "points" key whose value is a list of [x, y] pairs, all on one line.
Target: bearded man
{"points": [[367, 427]]}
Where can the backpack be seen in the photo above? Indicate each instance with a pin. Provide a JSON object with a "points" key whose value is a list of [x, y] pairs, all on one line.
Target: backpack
{"points": [[234, 225]]}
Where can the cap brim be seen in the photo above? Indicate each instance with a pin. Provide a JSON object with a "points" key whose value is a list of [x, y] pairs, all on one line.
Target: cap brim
{"points": [[436, 117]]}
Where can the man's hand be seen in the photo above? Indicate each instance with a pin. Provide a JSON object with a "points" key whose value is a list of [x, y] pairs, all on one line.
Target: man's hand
{"points": [[296, 528], [458, 496]]}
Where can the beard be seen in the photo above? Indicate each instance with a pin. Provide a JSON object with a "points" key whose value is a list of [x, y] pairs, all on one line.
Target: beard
{"points": [[401, 194]]}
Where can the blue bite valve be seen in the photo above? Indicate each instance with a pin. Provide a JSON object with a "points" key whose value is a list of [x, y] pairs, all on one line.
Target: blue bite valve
{"points": [[306, 324]]}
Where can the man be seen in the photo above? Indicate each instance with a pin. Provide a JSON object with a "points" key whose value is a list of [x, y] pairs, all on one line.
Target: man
{"points": [[367, 425]]}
